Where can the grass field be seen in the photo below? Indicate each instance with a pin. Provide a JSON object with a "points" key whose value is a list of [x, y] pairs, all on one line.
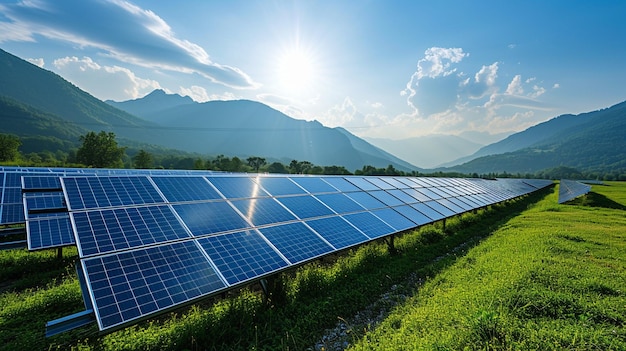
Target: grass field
{"points": [[529, 274]]}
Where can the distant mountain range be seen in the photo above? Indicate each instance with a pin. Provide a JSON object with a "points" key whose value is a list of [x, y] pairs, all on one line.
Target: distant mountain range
{"points": [[592, 142], [41, 105], [49, 113], [428, 151]]}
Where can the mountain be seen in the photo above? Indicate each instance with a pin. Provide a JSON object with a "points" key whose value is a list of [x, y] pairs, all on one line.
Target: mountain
{"points": [[39, 105], [366, 147], [46, 91], [247, 128], [535, 134], [155, 101], [590, 142], [428, 151]]}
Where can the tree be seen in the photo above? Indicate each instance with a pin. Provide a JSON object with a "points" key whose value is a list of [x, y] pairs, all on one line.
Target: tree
{"points": [[143, 160], [256, 162], [100, 150], [277, 167], [8, 147]]}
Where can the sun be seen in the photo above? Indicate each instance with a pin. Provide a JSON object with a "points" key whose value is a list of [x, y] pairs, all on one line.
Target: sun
{"points": [[297, 70]]}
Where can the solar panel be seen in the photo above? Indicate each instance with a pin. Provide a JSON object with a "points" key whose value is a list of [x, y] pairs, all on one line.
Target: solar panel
{"points": [[12, 213], [47, 201], [99, 192], [362, 183], [366, 200], [394, 219], [263, 211], [386, 198], [369, 224], [415, 215], [48, 182], [237, 187], [128, 285], [112, 230], [305, 206], [210, 217], [49, 232], [569, 190], [242, 255], [277, 186], [337, 231], [339, 203], [296, 241], [178, 189], [314, 184], [341, 184]]}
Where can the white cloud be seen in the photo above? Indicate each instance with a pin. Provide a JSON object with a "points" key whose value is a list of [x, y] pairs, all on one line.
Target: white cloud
{"points": [[120, 30], [36, 61], [105, 82], [436, 63], [556, 86], [515, 87]]}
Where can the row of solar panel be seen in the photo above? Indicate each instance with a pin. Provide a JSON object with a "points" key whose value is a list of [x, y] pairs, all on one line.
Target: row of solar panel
{"points": [[151, 243], [571, 189], [41, 179]]}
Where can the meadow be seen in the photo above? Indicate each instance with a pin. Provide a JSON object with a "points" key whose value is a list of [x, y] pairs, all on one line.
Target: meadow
{"points": [[526, 274]]}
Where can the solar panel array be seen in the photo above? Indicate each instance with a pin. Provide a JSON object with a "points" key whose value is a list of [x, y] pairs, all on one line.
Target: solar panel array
{"points": [[33, 196], [571, 189], [151, 243]]}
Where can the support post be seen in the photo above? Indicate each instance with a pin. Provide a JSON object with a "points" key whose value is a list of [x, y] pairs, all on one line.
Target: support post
{"points": [[391, 244], [59, 253]]}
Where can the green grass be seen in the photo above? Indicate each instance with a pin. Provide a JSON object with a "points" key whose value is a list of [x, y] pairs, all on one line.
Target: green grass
{"points": [[552, 278], [500, 278]]}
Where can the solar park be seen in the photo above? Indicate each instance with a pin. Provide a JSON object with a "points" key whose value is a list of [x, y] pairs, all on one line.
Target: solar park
{"points": [[150, 241]]}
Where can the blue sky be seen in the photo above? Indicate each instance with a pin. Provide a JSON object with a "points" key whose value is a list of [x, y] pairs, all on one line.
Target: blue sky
{"points": [[392, 69]]}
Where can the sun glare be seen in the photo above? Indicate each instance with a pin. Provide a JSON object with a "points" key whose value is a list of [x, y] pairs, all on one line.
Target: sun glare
{"points": [[297, 70]]}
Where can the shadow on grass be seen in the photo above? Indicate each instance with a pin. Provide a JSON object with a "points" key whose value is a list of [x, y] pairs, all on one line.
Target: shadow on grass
{"points": [[593, 199]]}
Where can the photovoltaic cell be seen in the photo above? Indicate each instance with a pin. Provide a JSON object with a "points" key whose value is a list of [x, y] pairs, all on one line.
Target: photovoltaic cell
{"points": [[133, 284], [263, 211], [99, 192], [49, 232], [369, 224], [305, 206], [177, 189], [112, 230], [278, 186], [210, 217], [337, 231], [314, 184], [237, 187], [242, 255], [296, 241]]}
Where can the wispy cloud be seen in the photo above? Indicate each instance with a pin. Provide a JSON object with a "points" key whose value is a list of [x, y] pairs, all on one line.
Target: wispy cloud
{"points": [[106, 82], [120, 30]]}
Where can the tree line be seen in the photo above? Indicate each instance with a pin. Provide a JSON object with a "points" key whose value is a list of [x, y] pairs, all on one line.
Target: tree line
{"points": [[101, 150]]}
